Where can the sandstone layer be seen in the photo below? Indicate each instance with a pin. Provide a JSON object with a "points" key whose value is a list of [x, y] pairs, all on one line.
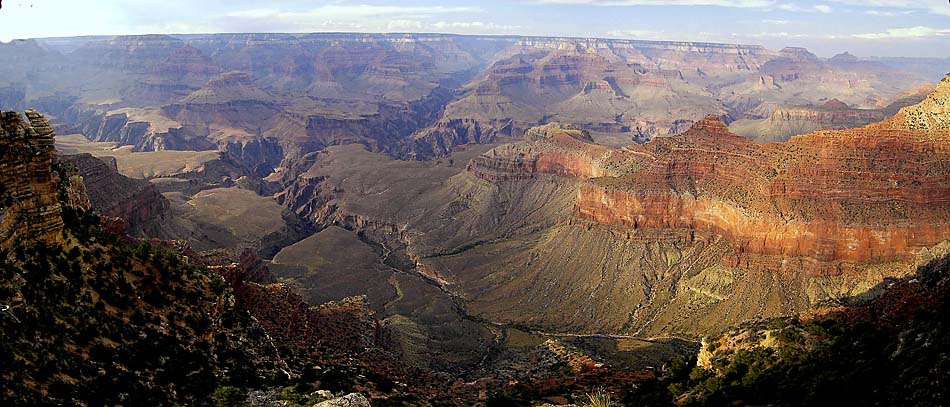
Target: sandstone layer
{"points": [[28, 182]]}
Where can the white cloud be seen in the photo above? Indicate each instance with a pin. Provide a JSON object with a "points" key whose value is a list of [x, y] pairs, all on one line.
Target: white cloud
{"points": [[361, 17], [638, 34], [881, 13], [785, 35], [348, 12], [762, 4], [720, 3], [475, 25], [938, 7], [776, 22], [906, 33], [661, 35], [818, 8]]}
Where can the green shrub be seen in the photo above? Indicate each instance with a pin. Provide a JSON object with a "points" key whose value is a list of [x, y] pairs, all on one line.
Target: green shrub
{"points": [[597, 398], [229, 396]]}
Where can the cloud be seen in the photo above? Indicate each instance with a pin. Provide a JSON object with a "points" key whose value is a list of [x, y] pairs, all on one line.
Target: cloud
{"points": [[938, 7], [475, 25], [348, 12], [638, 34], [463, 27], [661, 35], [785, 35], [719, 3], [776, 22], [888, 13], [818, 8], [917, 32], [759, 4], [356, 17]]}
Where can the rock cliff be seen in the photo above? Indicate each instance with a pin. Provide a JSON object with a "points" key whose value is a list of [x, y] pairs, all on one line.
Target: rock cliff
{"points": [[714, 223], [135, 201], [30, 204]]}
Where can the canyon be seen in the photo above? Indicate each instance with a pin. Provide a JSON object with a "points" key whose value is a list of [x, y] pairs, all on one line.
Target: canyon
{"points": [[257, 141], [272, 98], [483, 211], [684, 235]]}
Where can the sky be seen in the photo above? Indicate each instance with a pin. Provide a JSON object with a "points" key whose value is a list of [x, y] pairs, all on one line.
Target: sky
{"points": [[826, 27]]}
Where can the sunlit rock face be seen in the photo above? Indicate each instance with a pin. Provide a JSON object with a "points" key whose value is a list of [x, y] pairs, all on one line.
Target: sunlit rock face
{"points": [[710, 227]]}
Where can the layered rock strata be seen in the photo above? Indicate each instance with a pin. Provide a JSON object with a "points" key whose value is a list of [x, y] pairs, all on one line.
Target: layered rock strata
{"points": [[135, 201], [30, 207], [710, 222], [857, 196]]}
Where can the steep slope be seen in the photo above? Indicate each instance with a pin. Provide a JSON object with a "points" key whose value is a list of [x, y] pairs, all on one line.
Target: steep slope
{"points": [[135, 202], [888, 351], [89, 320], [928, 115]]}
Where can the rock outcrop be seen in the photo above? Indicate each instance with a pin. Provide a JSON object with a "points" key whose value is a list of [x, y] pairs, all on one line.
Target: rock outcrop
{"points": [[336, 328], [349, 400], [144, 129], [548, 149], [933, 113], [135, 201], [30, 204], [850, 196]]}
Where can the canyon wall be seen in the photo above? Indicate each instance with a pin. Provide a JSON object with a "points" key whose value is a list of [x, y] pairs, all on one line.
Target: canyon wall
{"points": [[694, 232], [135, 201], [420, 96], [30, 200]]}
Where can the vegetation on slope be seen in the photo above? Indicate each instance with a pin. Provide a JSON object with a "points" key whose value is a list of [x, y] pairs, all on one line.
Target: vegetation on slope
{"points": [[96, 321], [893, 350]]}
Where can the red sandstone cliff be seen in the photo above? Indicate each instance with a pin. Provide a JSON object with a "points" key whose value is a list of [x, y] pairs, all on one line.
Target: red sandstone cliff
{"points": [[833, 198]]}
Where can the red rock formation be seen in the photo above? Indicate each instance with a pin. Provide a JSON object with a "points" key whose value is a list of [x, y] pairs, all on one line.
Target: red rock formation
{"points": [[549, 149], [834, 198]]}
